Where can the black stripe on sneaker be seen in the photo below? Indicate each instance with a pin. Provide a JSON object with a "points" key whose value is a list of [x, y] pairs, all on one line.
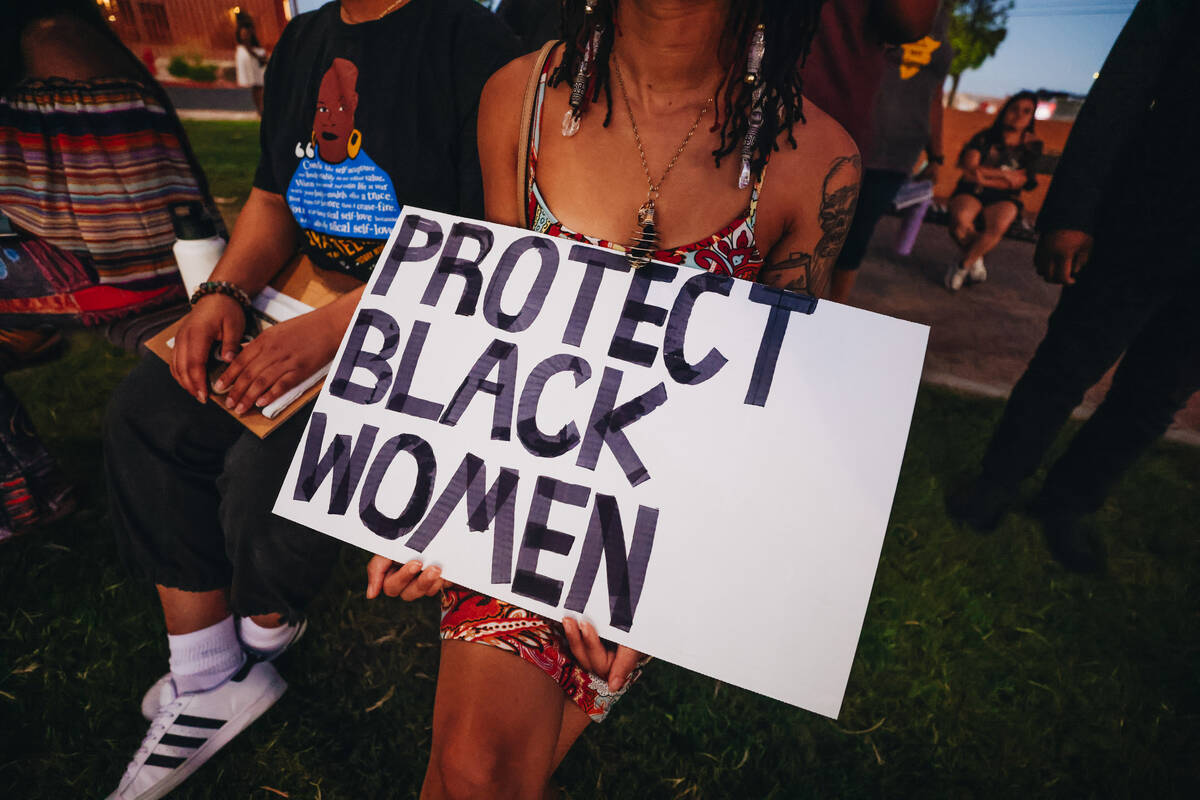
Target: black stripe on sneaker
{"points": [[244, 670], [170, 762], [182, 741], [199, 722]]}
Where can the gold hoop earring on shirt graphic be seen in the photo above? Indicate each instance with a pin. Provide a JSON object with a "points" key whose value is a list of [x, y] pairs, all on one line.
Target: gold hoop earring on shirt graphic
{"points": [[354, 144]]}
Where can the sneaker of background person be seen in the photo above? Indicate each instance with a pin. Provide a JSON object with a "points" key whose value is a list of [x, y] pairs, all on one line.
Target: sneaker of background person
{"points": [[163, 690], [1072, 536], [956, 276], [980, 504], [190, 728], [976, 272]]}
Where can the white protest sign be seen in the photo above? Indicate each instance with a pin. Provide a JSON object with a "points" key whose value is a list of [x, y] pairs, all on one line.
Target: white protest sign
{"points": [[700, 466]]}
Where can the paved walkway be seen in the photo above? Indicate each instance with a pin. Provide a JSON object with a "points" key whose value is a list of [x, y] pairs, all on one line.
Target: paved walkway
{"points": [[981, 338]]}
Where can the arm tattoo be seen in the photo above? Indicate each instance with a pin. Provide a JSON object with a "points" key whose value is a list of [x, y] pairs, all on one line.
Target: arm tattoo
{"points": [[839, 193], [797, 260]]}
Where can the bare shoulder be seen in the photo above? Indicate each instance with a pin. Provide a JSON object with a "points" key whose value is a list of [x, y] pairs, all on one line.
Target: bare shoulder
{"points": [[509, 81], [500, 104], [823, 146], [47, 31], [507, 84], [500, 108], [64, 46]]}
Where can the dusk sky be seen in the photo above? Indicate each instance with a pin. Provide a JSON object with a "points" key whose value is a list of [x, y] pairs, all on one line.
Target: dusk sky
{"points": [[1052, 44]]}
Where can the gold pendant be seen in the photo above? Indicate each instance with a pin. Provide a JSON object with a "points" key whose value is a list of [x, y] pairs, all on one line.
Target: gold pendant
{"points": [[645, 237]]}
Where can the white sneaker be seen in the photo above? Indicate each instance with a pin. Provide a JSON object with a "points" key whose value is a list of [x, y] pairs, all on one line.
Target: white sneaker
{"points": [[163, 690], [955, 277], [190, 728], [976, 272]]}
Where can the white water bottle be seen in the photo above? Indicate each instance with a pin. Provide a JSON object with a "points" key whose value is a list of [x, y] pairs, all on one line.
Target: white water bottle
{"points": [[197, 246]]}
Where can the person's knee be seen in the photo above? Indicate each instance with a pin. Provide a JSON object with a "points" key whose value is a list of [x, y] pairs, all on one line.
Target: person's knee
{"points": [[994, 230], [1145, 399], [467, 768], [1057, 374], [248, 484], [255, 541], [279, 566], [989, 239]]}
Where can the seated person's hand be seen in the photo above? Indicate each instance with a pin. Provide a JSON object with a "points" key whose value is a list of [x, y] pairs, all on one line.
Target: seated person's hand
{"points": [[599, 657], [408, 582], [216, 317], [276, 360]]}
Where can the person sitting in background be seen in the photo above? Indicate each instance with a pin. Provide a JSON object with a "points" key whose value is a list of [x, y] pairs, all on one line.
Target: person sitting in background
{"points": [[998, 163], [345, 126], [91, 156]]}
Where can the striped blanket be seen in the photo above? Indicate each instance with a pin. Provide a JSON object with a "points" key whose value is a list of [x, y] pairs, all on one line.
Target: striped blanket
{"points": [[89, 168]]}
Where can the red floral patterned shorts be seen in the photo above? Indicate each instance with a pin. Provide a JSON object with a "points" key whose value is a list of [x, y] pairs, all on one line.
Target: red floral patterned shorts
{"points": [[473, 617]]}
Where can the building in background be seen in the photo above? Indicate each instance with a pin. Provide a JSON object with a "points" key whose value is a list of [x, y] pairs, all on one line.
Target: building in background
{"points": [[198, 30]]}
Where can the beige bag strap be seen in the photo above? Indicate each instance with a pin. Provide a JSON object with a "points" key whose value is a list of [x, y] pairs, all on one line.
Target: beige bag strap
{"points": [[523, 143]]}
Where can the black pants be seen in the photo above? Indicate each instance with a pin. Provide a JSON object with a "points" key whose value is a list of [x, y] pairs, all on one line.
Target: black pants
{"points": [[191, 492], [1138, 296], [875, 196]]}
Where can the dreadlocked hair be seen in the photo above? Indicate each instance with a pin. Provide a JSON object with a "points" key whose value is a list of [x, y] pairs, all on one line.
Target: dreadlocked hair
{"points": [[788, 26]]}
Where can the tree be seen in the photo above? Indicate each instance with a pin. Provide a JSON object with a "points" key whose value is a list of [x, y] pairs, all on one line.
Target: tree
{"points": [[977, 27]]}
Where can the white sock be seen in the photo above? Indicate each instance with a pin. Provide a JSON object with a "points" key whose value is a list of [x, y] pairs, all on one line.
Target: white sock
{"points": [[265, 641], [205, 658]]}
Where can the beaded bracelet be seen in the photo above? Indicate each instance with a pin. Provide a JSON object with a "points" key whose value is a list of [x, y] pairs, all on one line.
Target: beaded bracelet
{"points": [[222, 287]]}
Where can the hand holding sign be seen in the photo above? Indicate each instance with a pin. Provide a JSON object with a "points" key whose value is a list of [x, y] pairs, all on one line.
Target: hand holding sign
{"points": [[577, 439], [408, 582], [614, 664]]}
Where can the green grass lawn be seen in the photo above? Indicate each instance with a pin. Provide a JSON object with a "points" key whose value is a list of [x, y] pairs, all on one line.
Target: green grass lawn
{"points": [[229, 153], [984, 669]]}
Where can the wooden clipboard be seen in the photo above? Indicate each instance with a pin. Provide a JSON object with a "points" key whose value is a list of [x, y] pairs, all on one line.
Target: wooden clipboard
{"points": [[302, 280]]}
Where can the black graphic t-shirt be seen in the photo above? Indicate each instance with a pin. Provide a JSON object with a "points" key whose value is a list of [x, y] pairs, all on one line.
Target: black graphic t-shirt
{"points": [[359, 120], [915, 71]]}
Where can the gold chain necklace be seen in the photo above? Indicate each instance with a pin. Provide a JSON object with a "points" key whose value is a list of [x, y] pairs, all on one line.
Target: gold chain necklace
{"points": [[350, 17], [645, 235]]}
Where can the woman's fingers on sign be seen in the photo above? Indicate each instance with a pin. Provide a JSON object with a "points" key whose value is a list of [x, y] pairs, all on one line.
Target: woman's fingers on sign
{"points": [[377, 570], [595, 655]]}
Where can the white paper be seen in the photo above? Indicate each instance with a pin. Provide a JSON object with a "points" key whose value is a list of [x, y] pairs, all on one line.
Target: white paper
{"points": [[770, 517]]}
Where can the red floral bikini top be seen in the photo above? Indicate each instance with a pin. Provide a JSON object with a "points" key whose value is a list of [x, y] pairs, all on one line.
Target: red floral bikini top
{"points": [[730, 251]]}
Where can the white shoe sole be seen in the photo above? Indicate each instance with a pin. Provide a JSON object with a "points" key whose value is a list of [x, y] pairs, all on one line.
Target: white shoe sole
{"points": [[222, 737]]}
